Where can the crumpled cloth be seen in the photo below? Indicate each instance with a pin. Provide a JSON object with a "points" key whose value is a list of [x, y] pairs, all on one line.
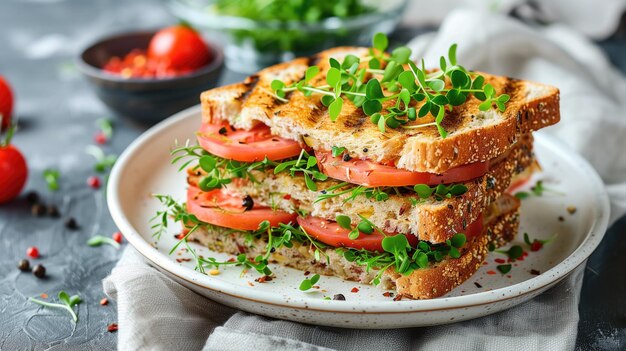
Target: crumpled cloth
{"points": [[156, 313]]}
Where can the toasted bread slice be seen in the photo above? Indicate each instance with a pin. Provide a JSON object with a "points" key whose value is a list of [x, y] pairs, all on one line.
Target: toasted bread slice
{"points": [[474, 135], [436, 280], [430, 220]]}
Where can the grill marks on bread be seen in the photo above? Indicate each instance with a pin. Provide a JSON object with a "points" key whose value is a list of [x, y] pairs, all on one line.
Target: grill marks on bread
{"points": [[473, 135]]}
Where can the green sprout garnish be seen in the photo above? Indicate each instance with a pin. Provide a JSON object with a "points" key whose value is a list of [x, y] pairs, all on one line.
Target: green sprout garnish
{"points": [[68, 303], [51, 176], [100, 240], [308, 283], [408, 84]]}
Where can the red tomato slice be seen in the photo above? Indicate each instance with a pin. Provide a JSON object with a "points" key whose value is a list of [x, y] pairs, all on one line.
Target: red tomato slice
{"points": [[372, 174], [519, 181], [246, 145], [332, 234], [222, 209]]}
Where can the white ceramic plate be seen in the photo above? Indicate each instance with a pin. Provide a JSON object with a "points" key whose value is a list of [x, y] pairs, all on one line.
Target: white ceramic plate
{"points": [[144, 169]]}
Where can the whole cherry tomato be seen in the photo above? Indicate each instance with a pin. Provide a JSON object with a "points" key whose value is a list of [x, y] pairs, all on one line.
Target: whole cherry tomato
{"points": [[6, 104], [13, 170], [179, 48]]}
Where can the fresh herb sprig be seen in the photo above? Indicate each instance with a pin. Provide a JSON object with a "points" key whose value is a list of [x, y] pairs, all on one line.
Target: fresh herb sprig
{"points": [[103, 161], [67, 303], [364, 226], [365, 86], [217, 171], [537, 190], [307, 165], [404, 258], [51, 176], [106, 127], [100, 240], [514, 252], [423, 191], [308, 283], [537, 244]]}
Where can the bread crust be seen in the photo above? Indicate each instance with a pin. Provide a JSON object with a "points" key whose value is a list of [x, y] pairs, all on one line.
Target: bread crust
{"points": [[474, 135]]}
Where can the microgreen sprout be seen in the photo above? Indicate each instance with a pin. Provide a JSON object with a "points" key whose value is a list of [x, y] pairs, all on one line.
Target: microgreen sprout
{"points": [[537, 244], [106, 127], [537, 190], [368, 87], [504, 268], [100, 240], [51, 176], [513, 253], [308, 283], [103, 161], [68, 303], [307, 165]]}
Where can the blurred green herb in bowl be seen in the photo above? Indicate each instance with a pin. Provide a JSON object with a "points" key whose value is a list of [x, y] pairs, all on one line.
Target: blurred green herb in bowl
{"points": [[258, 33]]}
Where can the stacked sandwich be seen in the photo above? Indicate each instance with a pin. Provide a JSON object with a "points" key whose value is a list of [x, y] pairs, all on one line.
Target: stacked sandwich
{"points": [[359, 164]]}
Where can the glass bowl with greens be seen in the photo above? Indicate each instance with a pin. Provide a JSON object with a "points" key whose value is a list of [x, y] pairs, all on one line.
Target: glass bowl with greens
{"points": [[258, 33]]}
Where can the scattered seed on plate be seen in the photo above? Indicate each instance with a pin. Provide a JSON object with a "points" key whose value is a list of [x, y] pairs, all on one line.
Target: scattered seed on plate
{"points": [[32, 252], [561, 219], [23, 265], [534, 272], [112, 327], [388, 294], [339, 297], [39, 271], [478, 285], [214, 272], [104, 301], [355, 290], [571, 209], [398, 297]]}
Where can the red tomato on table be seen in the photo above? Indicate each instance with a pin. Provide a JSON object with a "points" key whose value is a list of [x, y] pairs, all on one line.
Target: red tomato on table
{"points": [[13, 172], [6, 104]]}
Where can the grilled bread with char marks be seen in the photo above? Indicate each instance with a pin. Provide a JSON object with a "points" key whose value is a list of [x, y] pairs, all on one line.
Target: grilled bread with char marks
{"points": [[474, 135]]}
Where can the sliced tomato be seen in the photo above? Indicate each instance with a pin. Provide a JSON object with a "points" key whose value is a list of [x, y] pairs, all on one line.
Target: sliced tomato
{"points": [[246, 145], [332, 234], [225, 210], [519, 181], [372, 174]]}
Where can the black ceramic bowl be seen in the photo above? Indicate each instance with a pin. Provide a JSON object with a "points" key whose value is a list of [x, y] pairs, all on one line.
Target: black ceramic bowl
{"points": [[142, 99]]}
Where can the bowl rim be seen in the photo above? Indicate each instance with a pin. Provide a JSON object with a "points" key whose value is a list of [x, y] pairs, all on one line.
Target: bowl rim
{"points": [[185, 10], [96, 72]]}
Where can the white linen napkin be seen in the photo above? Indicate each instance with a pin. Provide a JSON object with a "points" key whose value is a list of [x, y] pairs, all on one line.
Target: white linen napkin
{"points": [[155, 313]]}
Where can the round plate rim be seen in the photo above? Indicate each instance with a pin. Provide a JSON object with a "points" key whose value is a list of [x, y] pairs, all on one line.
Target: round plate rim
{"points": [[555, 274]]}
